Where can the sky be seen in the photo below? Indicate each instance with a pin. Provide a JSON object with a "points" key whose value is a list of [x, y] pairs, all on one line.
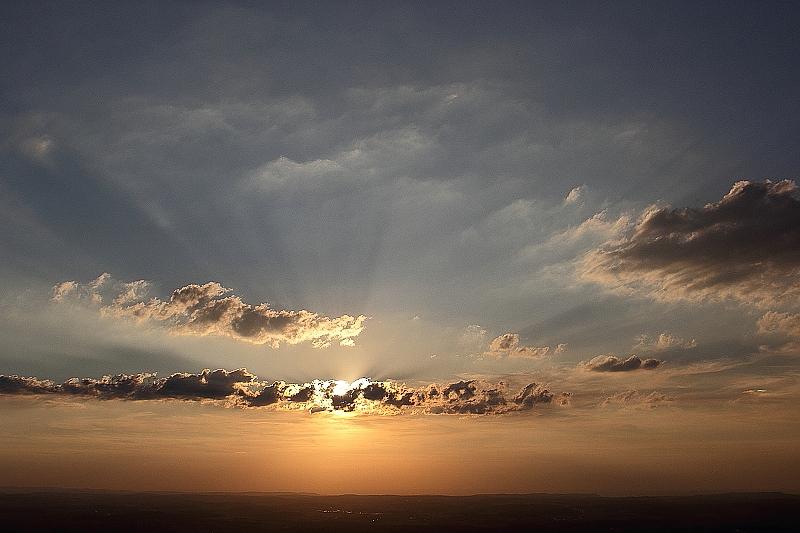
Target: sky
{"points": [[400, 247]]}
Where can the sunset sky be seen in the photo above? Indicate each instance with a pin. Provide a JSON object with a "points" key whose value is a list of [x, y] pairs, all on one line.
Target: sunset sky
{"points": [[400, 247]]}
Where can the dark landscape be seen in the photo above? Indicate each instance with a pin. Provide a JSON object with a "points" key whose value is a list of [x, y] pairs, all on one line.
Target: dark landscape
{"points": [[53, 510]]}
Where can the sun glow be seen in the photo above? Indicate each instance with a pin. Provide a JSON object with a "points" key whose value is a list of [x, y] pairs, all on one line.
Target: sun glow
{"points": [[340, 387], [325, 393]]}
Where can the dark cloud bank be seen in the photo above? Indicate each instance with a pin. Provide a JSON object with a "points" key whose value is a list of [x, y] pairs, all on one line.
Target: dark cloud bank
{"points": [[240, 388], [745, 246]]}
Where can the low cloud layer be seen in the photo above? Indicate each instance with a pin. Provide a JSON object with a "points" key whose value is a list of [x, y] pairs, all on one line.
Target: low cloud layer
{"points": [[745, 246], [615, 364], [240, 388], [204, 310]]}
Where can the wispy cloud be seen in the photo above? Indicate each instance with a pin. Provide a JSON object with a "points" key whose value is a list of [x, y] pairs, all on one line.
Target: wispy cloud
{"points": [[203, 310], [633, 399], [507, 345], [663, 342], [745, 246]]}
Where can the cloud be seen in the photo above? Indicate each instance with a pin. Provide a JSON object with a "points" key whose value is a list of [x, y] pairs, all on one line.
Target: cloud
{"points": [[615, 364], [745, 246], [663, 342], [503, 344], [473, 335], [283, 173], [781, 324], [241, 389], [213, 385], [206, 385], [529, 352], [774, 322], [507, 345], [633, 399], [202, 310], [574, 195], [563, 245], [385, 397], [13, 385]]}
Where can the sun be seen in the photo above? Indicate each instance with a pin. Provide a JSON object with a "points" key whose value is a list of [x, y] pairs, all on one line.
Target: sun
{"points": [[342, 387]]}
